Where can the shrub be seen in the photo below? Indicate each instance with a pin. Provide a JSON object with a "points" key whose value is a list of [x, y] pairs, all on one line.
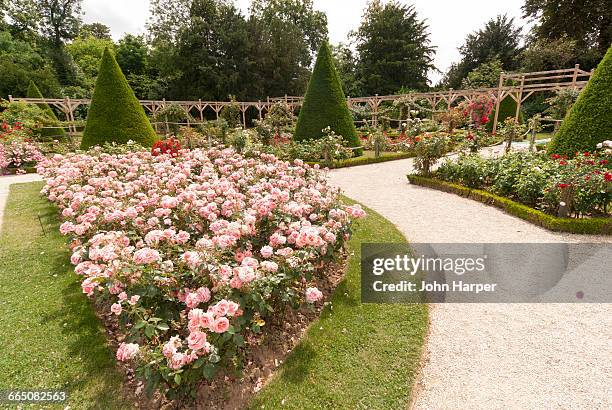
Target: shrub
{"points": [[428, 148], [17, 156], [172, 118], [507, 109], [53, 129], [115, 115], [204, 251], [231, 113], [325, 104], [588, 121]]}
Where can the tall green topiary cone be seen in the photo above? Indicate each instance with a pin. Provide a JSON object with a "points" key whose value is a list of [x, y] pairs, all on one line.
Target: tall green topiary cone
{"points": [[507, 108], [50, 132], [325, 104], [115, 115], [589, 121]]}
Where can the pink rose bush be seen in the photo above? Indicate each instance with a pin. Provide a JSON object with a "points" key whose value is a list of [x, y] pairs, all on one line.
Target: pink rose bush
{"points": [[193, 251], [17, 155]]}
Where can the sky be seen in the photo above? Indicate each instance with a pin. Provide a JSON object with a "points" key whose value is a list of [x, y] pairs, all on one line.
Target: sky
{"points": [[449, 21]]}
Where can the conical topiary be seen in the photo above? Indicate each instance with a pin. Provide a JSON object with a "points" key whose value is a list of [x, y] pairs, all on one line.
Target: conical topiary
{"points": [[115, 115], [53, 130], [507, 108], [325, 104], [589, 120]]}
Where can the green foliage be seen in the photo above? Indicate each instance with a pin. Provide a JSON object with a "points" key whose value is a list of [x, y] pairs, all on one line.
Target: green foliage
{"points": [[560, 103], [325, 105], [394, 48], [596, 226], [483, 76], [507, 109], [86, 52], [132, 55], [53, 130], [115, 114], [96, 30], [231, 113], [428, 149], [587, 23], [588, 121], [499, 39], [346, 65], [549, 54], [174, 116], [21, 63], [581, 186]]}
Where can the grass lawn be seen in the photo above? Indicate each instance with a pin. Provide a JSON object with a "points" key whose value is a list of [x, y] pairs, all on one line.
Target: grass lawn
{"points": [[49, 335], [356, 355]]}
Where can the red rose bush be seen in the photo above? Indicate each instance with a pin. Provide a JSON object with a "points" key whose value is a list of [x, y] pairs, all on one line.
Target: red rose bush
{"points": [[193, 251]]}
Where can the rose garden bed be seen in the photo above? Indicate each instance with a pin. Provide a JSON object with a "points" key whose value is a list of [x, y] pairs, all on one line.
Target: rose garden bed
{"points": [[194, 255]]}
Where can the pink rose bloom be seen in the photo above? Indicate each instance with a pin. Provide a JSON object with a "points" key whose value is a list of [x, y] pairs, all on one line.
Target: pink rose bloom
{"points": [[76, 258], [122, 296], [181, 237], [196, 340], [267, 251], [192, 300], [134, 299], [127, 351], [220, 325], [203, 294], [221, 308], [146, 256], [313, 295], [269, 266], [116, 308]]}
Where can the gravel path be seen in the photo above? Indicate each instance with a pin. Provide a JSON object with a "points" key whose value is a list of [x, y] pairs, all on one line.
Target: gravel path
{"points": [[492, 356], [6, 182]]}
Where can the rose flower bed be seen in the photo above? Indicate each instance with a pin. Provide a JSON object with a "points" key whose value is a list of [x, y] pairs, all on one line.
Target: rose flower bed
{"points": [[194, 253]]}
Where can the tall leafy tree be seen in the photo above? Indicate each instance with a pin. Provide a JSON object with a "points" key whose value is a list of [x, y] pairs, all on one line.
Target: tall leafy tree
{"points": [[96, 30], [284, 36], [132, 54], [345, 61], [588, 23], [394, 48], [499, 39], [212, 52]]}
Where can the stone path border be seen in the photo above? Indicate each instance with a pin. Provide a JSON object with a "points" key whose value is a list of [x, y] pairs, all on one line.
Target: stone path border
{"points": [[491, 356]]}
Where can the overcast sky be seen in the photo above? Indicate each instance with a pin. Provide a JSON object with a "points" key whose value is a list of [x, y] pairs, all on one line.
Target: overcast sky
{"points": [[449, 20]]}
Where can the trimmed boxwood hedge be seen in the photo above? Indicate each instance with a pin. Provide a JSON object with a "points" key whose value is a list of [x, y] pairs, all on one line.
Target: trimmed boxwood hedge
{"points": [[589, 121], [49, 132], [553, 223], [325, 104], [507, 108], [115, 115]]}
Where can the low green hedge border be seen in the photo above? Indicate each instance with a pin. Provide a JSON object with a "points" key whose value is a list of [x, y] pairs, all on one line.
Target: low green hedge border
{"points": [[600, 226], [353, 162]]}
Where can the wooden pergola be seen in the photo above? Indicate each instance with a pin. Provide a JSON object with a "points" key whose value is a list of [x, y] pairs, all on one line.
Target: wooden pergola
{"points": [[518, 86]]}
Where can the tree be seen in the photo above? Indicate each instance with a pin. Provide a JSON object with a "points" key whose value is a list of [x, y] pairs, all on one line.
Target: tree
{"points": [[96, 30], [115, 115], [86, 52], [499, 39], [394, 48], [484, 76], [212, 53], [347, 68], [588, 121], [325, 105], [132, 55], [284, 35], [20, 63], [543, 55], [54, 131], [587, 22]]}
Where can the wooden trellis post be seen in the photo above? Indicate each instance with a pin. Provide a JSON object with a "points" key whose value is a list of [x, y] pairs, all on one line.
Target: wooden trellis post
{"points": [[519, 100], [498, 102], [575, 77]]}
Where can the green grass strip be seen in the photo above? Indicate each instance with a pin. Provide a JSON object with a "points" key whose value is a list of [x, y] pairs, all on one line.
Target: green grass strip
{"points": [[356, 355], [597, 226], [49, 334]]}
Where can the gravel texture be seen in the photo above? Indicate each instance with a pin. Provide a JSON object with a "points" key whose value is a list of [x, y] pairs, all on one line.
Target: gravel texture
{"points": [[492, 356], [6, 182]]}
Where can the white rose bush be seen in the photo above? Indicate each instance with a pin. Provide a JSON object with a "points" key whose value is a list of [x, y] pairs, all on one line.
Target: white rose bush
{"points": [[192, 253]]}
